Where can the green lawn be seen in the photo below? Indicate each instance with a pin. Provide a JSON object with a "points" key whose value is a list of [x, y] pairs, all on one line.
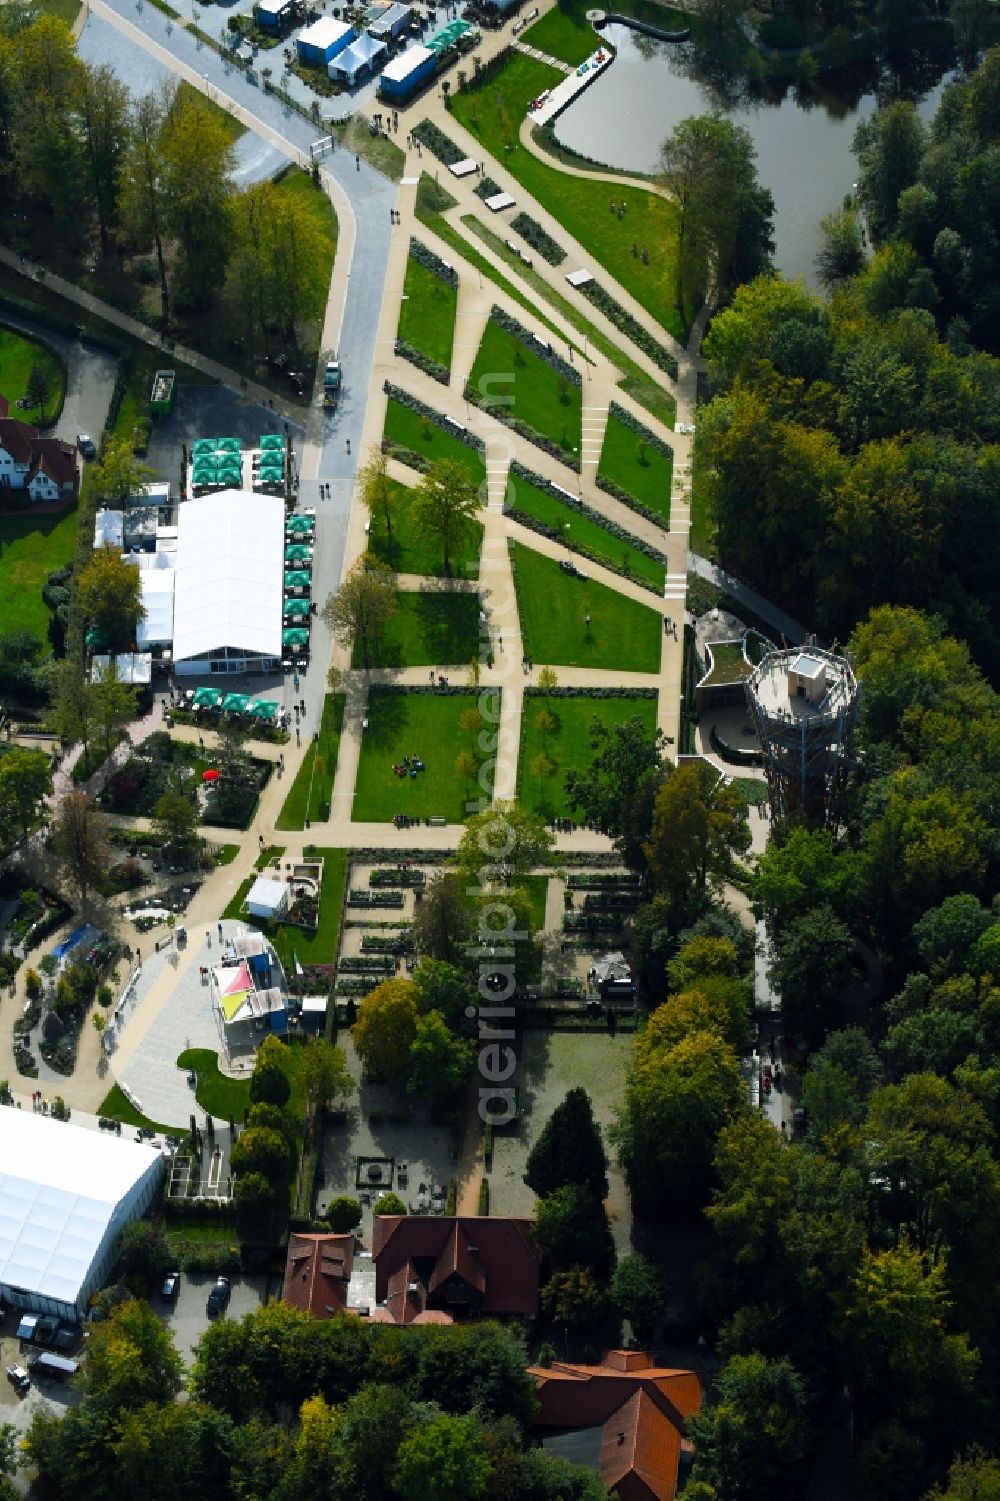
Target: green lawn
{"points": [[427, 313], [116, 1107], [623, 636], [538, 395], [576, 530], [569, 36], [728, 662], [408, 724], [494, 116], [640, 386], [636, 467], [17, 356], [31, 547], [568, 746], [409, 430], [63, 10], [310, 794], [319, 947], [215, 1093], [536, 888], [412, 550], [428, 630]]}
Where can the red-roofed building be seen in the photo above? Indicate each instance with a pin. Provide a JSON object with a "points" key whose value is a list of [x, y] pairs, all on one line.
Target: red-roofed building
{"points": [[317, 1273], [46, 468], [430, 1268], [624, 1417]]}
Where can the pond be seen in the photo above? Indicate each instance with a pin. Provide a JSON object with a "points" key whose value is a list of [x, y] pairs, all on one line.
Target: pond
{"points": [[803, 141]]}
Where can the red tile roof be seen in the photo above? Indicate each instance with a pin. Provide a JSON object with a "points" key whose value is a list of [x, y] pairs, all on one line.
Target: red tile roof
{"points": [[18, 438], [56, 459], [494, 1257], [317, 1273], [641, 1408]]}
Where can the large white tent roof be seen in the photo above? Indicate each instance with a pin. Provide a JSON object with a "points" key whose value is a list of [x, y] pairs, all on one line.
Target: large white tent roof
{"points": [[230, 574], [158, 579], [60, 1187]]}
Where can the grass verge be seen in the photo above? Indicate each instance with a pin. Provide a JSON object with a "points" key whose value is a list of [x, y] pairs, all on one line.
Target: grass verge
{"points": [[411, 550], [214, 1092], [427, 313], [18, 354], [116, 1107], [569, 526], [408, 429], [629, 462], [311, 792], [428, 630]]}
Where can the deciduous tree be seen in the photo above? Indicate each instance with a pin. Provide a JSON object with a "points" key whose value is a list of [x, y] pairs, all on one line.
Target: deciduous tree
{"points": [[442, 919], [323, 1073], [385, 1029], [616, 795], [25, 782], [758, 1434], [699, 824], [573, 1298], [80, 838], [444, 503], [442, 1460], [109, 591], [357, 613], [638, 1293], [439, 1060]]}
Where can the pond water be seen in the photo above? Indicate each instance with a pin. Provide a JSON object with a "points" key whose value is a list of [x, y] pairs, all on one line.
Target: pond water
{"points": [[803, 144]]}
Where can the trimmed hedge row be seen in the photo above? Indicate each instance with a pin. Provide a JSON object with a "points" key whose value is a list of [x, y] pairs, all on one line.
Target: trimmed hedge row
{"points": [[610, 488], [437, 143], [536, 346], [414, 404], [487, 72], [538, 238], [641, 431], [487, 188], [433, 263], [423, 362], [630, 326], [591, 693], [599, 519], [43, 315], [118, 394]]}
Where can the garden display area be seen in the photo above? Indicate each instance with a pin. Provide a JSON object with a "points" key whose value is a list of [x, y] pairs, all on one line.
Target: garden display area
{"points": [[529, 388], [412, 550], [31, 547], [309, 945], [161, 764], [550, 750], [427, 313], [408, 429], [623, 636], [632, 463], [312, 790], [581, 205], [400, 726], [427, 630], [565, 523]]}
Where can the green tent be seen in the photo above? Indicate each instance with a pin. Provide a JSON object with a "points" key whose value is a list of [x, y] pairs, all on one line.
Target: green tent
{"points": [[229, 445], [272, 441], [297, 607], [270, 476], [295, 635], [297, 578], [264, 708], [296, 553], [300, 526], [206, 698], [202, 446], [96, 638], [235, 703]]}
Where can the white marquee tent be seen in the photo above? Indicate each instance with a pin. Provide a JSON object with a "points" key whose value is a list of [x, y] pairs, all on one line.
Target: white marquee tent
{"points": [[230, 579], [66, 1194]]}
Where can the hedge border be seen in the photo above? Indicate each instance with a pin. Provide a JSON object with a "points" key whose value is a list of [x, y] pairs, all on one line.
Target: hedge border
{"points": [[538, 238], [431, 262], [406, 351], [630, 327], [437, 143], [414, 404], [597, 517]]}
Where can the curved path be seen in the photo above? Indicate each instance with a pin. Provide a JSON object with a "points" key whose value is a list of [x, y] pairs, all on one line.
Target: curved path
{"points": [[526, 136]]}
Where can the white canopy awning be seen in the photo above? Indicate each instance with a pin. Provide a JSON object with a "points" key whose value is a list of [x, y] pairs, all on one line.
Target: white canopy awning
{"points": [[230, 574]]}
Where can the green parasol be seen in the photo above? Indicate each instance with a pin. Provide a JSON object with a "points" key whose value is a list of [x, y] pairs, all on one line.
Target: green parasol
{"points": [[235, 703], [300, 526], [297, 553], [295, 635], [297, 607], [206, 698], [264, 708], [297, 578]]}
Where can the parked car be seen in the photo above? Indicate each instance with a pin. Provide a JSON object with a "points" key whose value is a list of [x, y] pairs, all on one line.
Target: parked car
{"points": [[19, 1378], [86, 445], [171, 1286], [218, 1298]]}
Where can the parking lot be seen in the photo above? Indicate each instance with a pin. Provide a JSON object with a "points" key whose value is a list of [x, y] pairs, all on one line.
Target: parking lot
{"points": [[186, 1317]]}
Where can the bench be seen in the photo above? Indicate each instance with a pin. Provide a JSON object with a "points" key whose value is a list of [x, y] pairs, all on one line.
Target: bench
{"points": [[437, 820]]}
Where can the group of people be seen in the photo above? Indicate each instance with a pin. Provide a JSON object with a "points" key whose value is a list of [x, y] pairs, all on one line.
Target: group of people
{"points": [[408, 767]]}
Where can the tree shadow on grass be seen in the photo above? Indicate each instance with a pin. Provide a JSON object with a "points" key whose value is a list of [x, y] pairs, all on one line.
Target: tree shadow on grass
{"points": [[448, 626], [388, 716]]}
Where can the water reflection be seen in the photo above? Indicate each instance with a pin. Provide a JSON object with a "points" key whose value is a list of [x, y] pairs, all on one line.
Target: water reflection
{"points": [[802, 132]]}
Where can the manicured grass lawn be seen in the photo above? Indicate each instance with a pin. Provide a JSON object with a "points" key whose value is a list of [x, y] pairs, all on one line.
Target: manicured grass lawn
{"points": [[427, 314], [623, 636], [215, 1093], [407, 724], [572, 528], [410, 430], [17, 356], [570, 37], [411, 550], [494, 116], [538, 395], [536, 888], [703, 528], [31, 547], [636, 467], [117, 1108], [428, 630], [568, 746], [728, 662], [310, 793], [64, 10]]}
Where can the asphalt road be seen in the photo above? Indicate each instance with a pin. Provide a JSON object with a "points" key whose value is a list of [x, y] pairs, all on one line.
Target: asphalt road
{"points": [[90, 379]]}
